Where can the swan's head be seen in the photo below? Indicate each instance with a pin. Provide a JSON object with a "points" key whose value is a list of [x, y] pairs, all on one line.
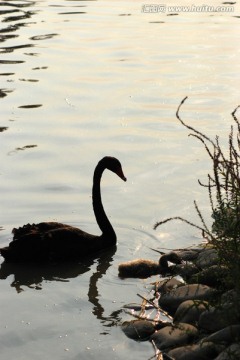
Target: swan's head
{"points": [[172, 257], [114, 165]]}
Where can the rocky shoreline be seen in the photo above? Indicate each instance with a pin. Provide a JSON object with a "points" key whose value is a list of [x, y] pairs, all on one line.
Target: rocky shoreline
{"points": [[200, 308]]}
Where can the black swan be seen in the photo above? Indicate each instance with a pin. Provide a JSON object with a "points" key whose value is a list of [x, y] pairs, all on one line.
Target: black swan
{"points": [[142, 268], [53, 241]]}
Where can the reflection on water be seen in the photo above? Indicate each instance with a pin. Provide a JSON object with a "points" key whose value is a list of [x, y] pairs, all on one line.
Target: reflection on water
{"points": [[103, 264], [30, 106], [24, 15], [4, 36], [43, 37], [4, 92], [13, 48], [6, 62], [33, 276], [12, 152], [3, 128], [80, 80]]}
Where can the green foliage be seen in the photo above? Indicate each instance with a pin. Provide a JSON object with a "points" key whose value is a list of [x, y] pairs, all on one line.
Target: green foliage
{"points": [[226, 220]]}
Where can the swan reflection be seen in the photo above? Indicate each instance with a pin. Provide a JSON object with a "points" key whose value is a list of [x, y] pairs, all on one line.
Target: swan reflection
{"points": [[33, 276]]}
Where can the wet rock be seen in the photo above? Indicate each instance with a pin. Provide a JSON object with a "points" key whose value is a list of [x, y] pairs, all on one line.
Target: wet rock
{"points": [[174, 335], [185, 270], [206, 258], [215, 319], [189, 311], [230, 297], [225, 336], [165, 286], [137, 307], [214, 275], [138, 329], [188, 254], [232, 352], [206, 351], [171, 300]]}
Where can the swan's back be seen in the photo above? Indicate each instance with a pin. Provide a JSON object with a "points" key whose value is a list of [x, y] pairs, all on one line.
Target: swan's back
{"points": [[40, 228], [46, 242]]}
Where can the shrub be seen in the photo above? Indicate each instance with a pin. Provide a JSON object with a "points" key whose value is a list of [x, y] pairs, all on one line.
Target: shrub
{"points": [[223, 186]]}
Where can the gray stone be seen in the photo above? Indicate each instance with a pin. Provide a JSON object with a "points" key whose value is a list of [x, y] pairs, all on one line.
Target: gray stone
{"points": [[138, 329], [185, 270], [166, 285], [175, 335], [206, 258], [206, 351], [171, 300], [215, 319], [225, 336], [189, 311], [231, 353], [230, 297], [214, 275], [188, 254]]}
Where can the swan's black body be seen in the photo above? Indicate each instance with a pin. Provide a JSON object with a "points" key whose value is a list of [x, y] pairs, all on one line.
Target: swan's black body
{"points": [[52, 241]]}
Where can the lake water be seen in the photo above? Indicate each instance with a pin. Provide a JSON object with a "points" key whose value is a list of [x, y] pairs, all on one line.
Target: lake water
{"points": [[85, 79]]}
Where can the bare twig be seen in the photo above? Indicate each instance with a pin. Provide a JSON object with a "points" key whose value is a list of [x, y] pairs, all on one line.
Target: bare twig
{"points": [[156, 307], [206, 230], [190, 127]]}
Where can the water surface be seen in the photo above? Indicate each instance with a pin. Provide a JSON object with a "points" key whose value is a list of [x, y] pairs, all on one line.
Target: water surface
{"points": [[85, 79]]}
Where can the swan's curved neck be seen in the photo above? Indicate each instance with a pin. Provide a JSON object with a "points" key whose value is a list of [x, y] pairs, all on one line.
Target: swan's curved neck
{"points": [[163, 261], [101, 217]]}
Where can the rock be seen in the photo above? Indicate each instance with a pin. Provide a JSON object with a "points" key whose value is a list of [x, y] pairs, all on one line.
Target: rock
{"points": [[189, 311], [227, 335], [181, 352], [188, 254], [166, 285], [185, 270], [206, 258], [174, 335], [171, 300], [204, 351], [214, 275], [230, 297], [215, 319], [138, 329], [232, 352], [137, 307]]}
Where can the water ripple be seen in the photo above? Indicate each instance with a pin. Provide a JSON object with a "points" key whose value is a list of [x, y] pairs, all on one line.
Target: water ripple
{"points": [[11, 28], [72, 13], [11, 61], [3, 128], [30, 106], [21, 149], [22, 5], [7, 37], [43, 37], [10, 49], [4, 92], [25, 15], [29, 80]]}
